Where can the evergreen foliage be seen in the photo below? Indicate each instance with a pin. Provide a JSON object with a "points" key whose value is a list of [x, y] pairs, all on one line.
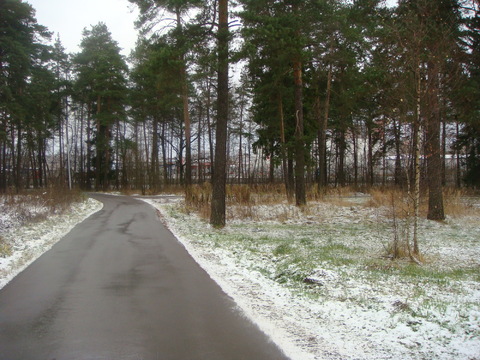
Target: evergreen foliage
{"points": [[337, 93]]}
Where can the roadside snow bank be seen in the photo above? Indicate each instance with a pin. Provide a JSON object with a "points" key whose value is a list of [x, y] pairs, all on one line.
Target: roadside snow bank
{"points": [[29, 241]]}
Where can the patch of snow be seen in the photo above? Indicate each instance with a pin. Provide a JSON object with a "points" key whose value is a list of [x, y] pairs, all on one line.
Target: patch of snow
{"points": [[346, 315], [340, 314], [30, 241]]}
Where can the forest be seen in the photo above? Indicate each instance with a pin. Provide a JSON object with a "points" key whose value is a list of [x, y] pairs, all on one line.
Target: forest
{"points": [[305, 93]]}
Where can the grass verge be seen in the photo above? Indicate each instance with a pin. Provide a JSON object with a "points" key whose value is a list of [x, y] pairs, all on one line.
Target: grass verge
{"points": [[333, 252]]}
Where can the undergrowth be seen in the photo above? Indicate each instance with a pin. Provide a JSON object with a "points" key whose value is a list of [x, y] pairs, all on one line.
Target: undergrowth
{"points": [[457, 202], [313, 239], [36, 204], [248, 202], [332, 251]]}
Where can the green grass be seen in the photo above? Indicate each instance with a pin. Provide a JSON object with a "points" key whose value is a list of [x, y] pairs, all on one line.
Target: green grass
{"points": [[342, 259], [288, 253], [413, 272], [310, 246], [283, 249]]}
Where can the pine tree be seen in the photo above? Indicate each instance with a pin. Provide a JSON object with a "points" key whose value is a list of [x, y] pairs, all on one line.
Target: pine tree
{"points": [[219, 178], [280, 33], [466, 100], [157, 96], [102, 74], [21, 49], [431, 52], [150, 17], [61, 68]]}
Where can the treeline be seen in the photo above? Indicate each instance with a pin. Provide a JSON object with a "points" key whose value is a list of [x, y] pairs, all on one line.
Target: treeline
{"points": [[326, 92]]}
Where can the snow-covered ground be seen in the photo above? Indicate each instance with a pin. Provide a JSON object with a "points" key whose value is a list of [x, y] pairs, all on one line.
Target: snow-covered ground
{"points": [[26, 241], [316, 280]]}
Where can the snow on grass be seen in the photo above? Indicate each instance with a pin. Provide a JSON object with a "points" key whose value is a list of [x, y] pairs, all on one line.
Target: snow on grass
{"points": [[316, 280], [24, 241], [318, 283]]}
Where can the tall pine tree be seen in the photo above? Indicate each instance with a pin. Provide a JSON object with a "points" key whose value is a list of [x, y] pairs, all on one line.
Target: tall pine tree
{"points": [[102, 73]]}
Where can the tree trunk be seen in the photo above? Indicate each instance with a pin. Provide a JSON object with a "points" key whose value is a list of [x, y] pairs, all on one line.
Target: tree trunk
{"points": [[458, 177], [164, 155], [188, 131], [300, 191], [209, 127], [31, 172], [398, 153], [434, 162], [136, 157], [384, 154], [217, 218], [416, 163], [271, 170], [100, 149], [240, 144], [370, 174], [355, 157], [117, 156], [155, 163], [323, 159], [88, 183], [40, 161], [322, 134], [186, 112], [180, 154], [199, 146], [290, 173], [108, 156], [61, 145], [18, 171], [288, 185], [3, 156], [342, 147], [444, 152]]}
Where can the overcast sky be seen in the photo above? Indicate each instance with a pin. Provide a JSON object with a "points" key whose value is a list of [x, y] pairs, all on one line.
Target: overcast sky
{"points": [[69, 17]]}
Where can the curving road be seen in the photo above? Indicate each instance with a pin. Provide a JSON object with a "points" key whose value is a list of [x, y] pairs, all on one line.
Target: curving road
{"points": [[120, 286]]}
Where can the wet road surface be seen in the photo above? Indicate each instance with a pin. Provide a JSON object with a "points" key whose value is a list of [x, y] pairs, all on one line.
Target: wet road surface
{"points": [[120, 286]]}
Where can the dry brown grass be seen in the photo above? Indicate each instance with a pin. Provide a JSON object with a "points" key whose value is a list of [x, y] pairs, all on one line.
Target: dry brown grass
{"points": [[397, 200], [129, 191], [37, 204], [246, 197], [242, 197], [336, 196], [264, 194], [460, 203], [457, 202], [239, 194], [198, 198]]}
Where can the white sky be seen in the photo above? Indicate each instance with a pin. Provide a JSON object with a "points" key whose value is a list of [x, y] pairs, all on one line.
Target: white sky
{"points": [[69, 17]]}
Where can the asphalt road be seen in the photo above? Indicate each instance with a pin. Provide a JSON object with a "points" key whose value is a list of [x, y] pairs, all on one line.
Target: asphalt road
{"points": [[120, 286]]}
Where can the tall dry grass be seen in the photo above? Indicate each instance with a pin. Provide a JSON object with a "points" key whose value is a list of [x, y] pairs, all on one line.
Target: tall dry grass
{"points": [[243, 197], [37, 204], [246, 197], [461, 202], [198, 199], [457, 202], [32, 206]]}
